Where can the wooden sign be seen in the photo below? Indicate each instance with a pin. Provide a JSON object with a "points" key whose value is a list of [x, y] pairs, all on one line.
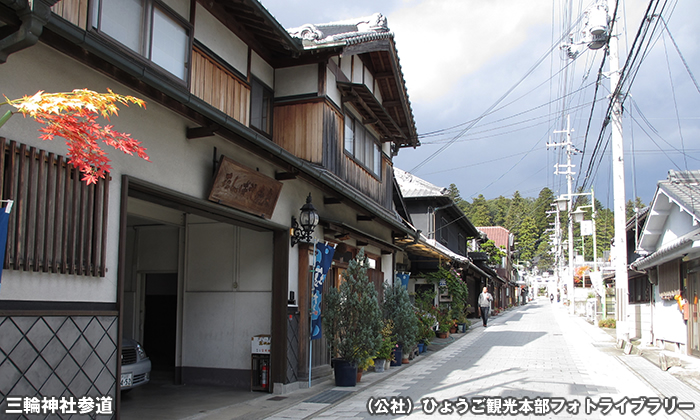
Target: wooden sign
{"points": [[244, 189]]}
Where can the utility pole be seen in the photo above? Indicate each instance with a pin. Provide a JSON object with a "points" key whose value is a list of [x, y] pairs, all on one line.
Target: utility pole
{"points": [[619, 254], [570, 202]]}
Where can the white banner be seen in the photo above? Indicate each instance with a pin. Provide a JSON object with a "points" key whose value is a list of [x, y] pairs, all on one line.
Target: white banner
{"points": [[587, 228]]}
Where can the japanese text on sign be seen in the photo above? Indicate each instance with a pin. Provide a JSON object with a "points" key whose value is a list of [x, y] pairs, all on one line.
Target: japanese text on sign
{"points": [[526, 406]]}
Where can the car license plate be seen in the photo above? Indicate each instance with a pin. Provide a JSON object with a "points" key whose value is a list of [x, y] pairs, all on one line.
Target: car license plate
{"points": [[127, 380]]}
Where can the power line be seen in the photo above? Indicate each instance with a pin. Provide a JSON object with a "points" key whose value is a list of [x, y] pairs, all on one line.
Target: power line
{"points": [[488, 110]]}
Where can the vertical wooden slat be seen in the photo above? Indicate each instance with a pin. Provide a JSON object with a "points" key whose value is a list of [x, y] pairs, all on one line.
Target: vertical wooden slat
{"points": [[20, 201], [59, 226], [65, 263], [89, 239], [105, 212], [30, 222], [11, 196], [49, 228], [56, 225], [78, 219], [40, 217], [96, 238]]}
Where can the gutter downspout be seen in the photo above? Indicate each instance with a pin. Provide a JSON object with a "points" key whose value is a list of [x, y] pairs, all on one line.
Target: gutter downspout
{"points": [[34, 16], [434, 212]]}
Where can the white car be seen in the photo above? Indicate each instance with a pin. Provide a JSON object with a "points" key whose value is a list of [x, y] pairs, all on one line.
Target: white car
{"points": [[136, 366]]}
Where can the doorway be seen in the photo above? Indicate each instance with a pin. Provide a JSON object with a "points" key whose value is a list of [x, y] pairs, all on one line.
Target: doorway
{"points": [[160, 320]]}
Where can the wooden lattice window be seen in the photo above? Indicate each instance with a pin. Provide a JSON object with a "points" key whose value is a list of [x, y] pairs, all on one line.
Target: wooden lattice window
{"points": [[58, 223]]}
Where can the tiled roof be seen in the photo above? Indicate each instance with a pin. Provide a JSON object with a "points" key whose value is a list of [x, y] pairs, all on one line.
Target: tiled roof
{"points": [[498, 234], [684, 188], [370, 36], [345, 32], [412, 186]]}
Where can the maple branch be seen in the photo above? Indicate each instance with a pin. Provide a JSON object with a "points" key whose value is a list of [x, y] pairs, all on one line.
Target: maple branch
{"points": [[73, 116]]}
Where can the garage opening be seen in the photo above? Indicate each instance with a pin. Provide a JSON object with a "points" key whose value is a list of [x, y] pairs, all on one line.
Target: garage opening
{"points": [[198, 282]]}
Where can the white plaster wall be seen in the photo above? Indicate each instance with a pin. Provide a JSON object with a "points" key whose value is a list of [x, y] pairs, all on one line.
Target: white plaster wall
{"points": [[388, 268], [641, 317], [332, 90], [255, 261], [211, 257], [678, 224], [377, 92], [217, 328], [358, 70], [346, 66], [260, 69], [300, 80], [176, 163], [222, 293], [214, 34], [668, 321], [368, 80]]}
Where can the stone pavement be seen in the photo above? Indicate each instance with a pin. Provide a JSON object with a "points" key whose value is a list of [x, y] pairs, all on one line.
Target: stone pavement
{"points": [[534, 351]]}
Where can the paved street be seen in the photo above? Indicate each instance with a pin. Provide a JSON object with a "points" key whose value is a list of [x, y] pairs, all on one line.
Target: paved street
{"points": [[538, 352]]}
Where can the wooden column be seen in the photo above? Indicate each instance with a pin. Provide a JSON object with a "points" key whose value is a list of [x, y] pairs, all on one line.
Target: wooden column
{"points": [[304, 305], [280, 287]]}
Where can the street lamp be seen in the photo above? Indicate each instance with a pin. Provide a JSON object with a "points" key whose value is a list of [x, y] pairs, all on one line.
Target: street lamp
{"points": [[578, 215], [308, 219]]}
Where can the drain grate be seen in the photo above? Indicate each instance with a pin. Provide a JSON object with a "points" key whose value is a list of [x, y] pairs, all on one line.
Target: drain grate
{"points": [[328, 397], [278, 398]]}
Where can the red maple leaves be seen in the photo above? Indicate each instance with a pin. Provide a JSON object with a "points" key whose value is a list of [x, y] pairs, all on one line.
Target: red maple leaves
{"points": [[73, 116]]}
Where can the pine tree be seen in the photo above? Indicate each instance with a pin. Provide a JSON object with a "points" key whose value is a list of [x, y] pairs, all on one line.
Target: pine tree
{"points": [[352, 320], [479, 212]]}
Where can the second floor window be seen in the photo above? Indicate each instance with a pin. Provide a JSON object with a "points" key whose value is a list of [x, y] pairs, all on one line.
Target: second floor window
{"points": [[148, 28], [362, 145], [443, 230], [261, 107]]}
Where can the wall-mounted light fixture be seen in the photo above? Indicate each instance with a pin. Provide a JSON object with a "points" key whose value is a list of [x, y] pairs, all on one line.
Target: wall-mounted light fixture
{"points": [[308, 219]]}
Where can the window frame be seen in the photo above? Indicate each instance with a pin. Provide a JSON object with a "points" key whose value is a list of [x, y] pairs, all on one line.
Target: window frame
{"points": [[146, 41], [254, 81], [364, 142], [444, 234]]}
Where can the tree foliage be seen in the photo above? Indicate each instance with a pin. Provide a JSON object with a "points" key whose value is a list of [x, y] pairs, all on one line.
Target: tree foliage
{"points": [[353, 319], [528, 220], [398, 308], [74, 117]]}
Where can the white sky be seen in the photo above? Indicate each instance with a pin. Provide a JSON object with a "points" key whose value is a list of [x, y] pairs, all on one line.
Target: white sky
{"points": [[460, 56]]}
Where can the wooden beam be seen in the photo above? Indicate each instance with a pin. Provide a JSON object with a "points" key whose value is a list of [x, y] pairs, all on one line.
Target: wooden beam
{"points": [[361, 243], [391, 104], [282, 176], [342, 236], [331, 200], [199, 132], [365, 218]]}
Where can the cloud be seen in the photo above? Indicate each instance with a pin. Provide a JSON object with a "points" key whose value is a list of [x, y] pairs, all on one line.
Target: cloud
{"points": [[443, 41]]}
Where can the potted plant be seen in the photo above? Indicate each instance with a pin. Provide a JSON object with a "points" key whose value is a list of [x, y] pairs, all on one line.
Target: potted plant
{"points": [[366, 360], [444, 324], [398, 308], [352, 321], [386, 349], [427, 320]]}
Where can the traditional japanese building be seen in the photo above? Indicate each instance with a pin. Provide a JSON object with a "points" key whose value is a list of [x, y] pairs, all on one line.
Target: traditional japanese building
{"points": [[190, 254], [669, 242]]}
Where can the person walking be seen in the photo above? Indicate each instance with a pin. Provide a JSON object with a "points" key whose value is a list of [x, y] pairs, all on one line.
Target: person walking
{"points": [[485, 300]]}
